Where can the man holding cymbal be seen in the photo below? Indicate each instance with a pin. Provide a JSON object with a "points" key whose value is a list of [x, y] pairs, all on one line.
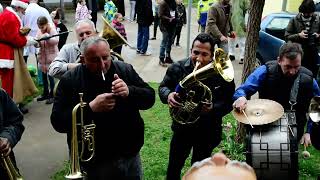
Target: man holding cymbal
{"points": [[276, 79]]}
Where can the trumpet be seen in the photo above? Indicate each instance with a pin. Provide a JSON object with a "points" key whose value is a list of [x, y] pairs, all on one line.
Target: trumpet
{"points": [[87, 142], [13, 173]]}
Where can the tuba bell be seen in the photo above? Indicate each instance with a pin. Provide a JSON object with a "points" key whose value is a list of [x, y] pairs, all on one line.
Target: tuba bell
{"points": [[113, 37], [87, 142], [12, 172], [194, 94]]}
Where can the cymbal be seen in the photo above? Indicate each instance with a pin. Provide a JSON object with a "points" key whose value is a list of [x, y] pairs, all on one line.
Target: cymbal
{"points": [[260, 112], [314, 109]]}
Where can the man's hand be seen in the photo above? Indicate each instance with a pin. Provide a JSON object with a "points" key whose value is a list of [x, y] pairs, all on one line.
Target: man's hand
{"points": [[303, 34], [240, 104], [207, 107], [5, 146], [173, 99], [306, 140], [223, 39], [103, 103], [119, 87]]}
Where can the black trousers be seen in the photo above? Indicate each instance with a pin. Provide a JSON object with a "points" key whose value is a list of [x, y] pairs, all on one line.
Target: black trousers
{"points": [[156, 22], [177, 35], [202, 139]]}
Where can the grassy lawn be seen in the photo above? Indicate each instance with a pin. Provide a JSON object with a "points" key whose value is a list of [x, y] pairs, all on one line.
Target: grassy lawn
{"points": [[157, 139]]}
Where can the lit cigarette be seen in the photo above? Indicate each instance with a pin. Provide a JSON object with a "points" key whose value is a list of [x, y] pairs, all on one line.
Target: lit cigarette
{"points": [[103, 76]]}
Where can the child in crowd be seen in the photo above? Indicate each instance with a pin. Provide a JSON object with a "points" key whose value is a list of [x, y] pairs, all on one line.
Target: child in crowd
{"points": [[48, 51], [110, 10], [82, 11], [116, 23], [60, 27], [181, 20]]}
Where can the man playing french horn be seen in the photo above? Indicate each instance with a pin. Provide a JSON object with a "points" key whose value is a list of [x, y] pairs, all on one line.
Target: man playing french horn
{"points": [[204, 133], [11, 129], [113, 94]]}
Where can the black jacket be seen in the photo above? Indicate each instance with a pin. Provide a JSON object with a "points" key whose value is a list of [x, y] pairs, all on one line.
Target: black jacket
{"points": [[11, 118], [119, 132], [144, 12], [222, 92]]}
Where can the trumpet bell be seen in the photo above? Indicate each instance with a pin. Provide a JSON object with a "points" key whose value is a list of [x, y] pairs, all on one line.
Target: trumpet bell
{"points": [[314, 109], [113, 37]]}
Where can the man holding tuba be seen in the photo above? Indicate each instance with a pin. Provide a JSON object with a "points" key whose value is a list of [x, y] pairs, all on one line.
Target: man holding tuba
{"points": [[11, 129], [203, 135], [114, 94]]}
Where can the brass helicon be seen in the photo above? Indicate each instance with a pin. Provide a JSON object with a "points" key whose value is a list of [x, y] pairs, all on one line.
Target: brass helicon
{"points": [[194, 94], [13, 173], [87, 142]]}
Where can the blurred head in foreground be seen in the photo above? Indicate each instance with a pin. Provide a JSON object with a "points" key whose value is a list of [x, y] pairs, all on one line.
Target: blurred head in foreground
{"points": [[219, 167]]}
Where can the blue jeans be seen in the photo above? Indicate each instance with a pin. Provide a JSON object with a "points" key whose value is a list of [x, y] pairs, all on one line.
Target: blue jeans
{"points": [[45, 78], [143, 38], [167, 40]]}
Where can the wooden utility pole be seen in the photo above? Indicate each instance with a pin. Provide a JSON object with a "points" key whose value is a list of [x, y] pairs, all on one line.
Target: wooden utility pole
{"points": [[253, 27]]}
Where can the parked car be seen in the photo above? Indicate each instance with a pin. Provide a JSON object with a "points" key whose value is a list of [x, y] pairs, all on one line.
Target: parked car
{"points": [[271, 36]]}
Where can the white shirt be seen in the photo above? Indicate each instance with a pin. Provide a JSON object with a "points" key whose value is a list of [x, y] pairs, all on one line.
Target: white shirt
{"points": [[33, 12]]}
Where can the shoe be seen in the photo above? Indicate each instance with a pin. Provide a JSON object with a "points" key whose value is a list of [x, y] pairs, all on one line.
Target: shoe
{"points": [[138, 52], [241, 61], [231, 57], [178, 46], [168, 60], [23, 109], [154, 38], [50, 100], [145, 54], [42, 98], [163, 64]]}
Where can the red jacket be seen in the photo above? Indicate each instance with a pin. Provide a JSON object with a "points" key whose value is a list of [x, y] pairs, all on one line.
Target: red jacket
{"points": [[10, 37]]}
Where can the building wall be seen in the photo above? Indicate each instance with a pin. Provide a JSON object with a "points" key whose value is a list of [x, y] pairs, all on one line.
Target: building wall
{"points": [[272, 6]]}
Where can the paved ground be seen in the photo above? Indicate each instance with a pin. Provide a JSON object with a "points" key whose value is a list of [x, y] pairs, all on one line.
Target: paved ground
{"points": [[41, 150]]}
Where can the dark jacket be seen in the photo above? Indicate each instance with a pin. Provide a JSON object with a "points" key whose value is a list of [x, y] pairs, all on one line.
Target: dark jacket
{"points": [[119, 132], [63, 38], [222, 92], [218, 24], [164, 14], [296, 25], [275, 78], [144, 12], [182, 15], [11, 118]]}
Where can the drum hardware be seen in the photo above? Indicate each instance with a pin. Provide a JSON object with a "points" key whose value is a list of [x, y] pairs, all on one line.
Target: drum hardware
{"points": [[260, 112], [289, 127], [244, 113], [272, 150]]}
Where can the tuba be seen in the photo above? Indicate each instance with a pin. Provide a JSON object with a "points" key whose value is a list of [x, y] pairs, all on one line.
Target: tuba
{"points": [[113, 37], [194, 94], [13, 173], [87, 142]]}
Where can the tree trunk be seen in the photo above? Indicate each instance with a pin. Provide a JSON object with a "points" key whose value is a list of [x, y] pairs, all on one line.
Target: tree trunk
{"points": [[253, 27], [62, 10]]}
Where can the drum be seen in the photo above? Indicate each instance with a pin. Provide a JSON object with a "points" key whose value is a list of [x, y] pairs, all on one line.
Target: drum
{"points": [[272, 149]]}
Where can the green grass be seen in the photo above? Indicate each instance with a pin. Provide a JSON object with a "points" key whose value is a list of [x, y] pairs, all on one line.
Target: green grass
{"points": [[158, 135]]}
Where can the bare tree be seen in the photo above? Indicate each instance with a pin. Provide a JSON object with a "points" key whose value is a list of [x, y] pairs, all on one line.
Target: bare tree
{"points": [[255, 14]]}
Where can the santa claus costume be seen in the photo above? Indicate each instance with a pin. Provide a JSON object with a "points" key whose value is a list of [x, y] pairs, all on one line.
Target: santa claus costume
{"points": [[10, 38]]}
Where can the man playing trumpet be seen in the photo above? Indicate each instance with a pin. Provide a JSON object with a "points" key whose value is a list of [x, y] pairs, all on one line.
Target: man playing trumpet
{"points": [[11, 130], [114, 93], [205, 134]]}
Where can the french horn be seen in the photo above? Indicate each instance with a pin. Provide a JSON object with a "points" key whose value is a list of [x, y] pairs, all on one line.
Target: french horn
{"points": [[194, 94]]}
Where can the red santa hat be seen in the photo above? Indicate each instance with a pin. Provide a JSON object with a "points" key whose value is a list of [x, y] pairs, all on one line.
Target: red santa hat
{"points": [[20, 3]]}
